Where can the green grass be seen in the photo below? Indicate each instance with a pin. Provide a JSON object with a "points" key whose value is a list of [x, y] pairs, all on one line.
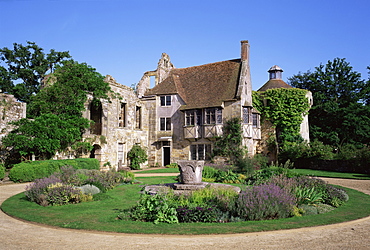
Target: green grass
{"points": [[161, 170], [102, 215], [330, 174]]}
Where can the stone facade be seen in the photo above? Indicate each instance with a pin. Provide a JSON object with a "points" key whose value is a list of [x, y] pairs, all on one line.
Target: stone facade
{"points": [[10, 110]]}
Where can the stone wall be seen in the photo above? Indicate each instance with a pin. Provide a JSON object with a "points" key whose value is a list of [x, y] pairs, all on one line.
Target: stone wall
{"points": [[10, 110]]}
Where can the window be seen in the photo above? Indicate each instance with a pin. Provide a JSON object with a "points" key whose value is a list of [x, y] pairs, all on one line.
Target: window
{"points": [[193, 117], [189, 118], [200, 152], [246, 114], [165, 124], [213, 116], [120, 154], [138, 117], [96, 113], [166, 100], [255, 120], [122, 116]]}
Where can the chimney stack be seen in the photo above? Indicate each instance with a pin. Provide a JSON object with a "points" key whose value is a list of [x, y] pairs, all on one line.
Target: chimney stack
{"points": [[245, 50]]}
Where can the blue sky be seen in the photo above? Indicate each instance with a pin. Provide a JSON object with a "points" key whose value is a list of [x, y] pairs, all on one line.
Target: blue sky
{"points": [[126, 38]]}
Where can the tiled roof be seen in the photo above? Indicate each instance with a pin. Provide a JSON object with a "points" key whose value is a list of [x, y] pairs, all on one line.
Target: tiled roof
{"points": [[202, 86], [274, 84]]}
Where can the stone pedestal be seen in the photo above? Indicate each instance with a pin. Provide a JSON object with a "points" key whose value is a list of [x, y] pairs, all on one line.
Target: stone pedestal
{"points": [[190, 175], [191, 171]]}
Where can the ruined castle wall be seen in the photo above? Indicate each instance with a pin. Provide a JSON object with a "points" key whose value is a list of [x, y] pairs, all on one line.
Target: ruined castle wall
{"points": [[119, 135], [10, 110]]}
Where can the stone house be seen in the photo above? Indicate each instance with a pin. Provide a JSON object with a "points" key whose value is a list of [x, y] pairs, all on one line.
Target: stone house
{"points": [[180, 116], [188, 106]]}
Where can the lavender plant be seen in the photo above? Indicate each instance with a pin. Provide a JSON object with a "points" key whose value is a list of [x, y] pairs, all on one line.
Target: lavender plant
{"points": [[264, 202], [39, 189]]}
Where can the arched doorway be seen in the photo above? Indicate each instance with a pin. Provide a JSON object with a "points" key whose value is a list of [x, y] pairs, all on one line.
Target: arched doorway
{"points": [[96, 152]]}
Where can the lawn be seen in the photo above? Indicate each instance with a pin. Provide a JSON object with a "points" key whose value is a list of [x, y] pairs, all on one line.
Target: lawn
{"points": [[160, 170], [102, 215], [317, 173], [330, 174]]}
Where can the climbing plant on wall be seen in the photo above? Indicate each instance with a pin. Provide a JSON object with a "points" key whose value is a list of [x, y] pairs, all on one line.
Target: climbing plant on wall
{"points": [[284, 109]]}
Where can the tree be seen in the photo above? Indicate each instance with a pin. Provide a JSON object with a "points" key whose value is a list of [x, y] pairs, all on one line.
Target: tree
{"points": [[339, 114], [66, 91], [26, 68], [57, 109]]}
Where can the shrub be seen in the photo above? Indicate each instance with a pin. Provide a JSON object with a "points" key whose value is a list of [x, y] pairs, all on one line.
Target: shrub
{"points": [[289, 184], [31, 170], [264, 202], [308, 209], [335, 196], [2, 171], [209, 172], [308, 195], [229, 177], [40, 188], [324, 208], [104, 180], [51, 191], [263, 175], [154, 208], [245, 165], [127, 176], [69, 175], [60, 194], [218, 196], [89, 189], [172, 165], [137, 155], [198, 214]]}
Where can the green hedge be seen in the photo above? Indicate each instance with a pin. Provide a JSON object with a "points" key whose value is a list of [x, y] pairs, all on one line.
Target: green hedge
{"points": [[31, 170], [2, 171]]}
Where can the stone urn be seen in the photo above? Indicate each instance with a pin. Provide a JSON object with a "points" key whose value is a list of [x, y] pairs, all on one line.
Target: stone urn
{"points": [[190, 171]]}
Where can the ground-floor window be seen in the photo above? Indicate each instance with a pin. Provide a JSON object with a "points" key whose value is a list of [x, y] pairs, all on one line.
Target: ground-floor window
{"points": [[200, 152]]}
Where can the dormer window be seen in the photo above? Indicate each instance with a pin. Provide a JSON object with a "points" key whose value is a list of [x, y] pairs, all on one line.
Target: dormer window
{"points": [[166, 100]]}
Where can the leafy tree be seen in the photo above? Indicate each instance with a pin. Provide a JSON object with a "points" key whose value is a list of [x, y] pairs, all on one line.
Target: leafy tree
{"points": [[66, 91], [44, 135], [57, 109], [339, 113], [26, 68]]}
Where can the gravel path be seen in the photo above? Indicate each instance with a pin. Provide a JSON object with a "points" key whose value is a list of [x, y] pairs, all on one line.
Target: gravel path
{"points": [[16, 234]]}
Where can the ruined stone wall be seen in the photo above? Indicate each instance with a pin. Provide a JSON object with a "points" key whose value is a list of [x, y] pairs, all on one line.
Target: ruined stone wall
{"points": [[10, 110], [116, 139]]}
